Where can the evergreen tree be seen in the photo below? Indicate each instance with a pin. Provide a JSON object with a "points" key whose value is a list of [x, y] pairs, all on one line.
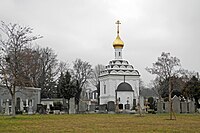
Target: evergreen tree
{"points": [[192, 90], [66, 87]]}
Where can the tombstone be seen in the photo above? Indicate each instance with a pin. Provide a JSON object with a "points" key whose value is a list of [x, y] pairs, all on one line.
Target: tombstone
{"points": [[134, 104], [18, 105], [7, 112], [111, 106], [65, 107], [30, 110], [184, 107], [92, 107], [82, 107], [40, 109], [102, 108], [21, 105], [191, 107], [159, 107], [176, 104], [72, 107], [127, 106], [166, 107]]}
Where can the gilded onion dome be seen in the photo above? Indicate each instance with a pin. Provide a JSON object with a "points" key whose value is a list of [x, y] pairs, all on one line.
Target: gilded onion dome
{"points": [[118, 43]]}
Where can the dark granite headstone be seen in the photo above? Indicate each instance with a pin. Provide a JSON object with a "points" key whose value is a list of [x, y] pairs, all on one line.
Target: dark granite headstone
{"points": [[102, 108], [111, 106], [134, 104], [41, 109], [127, 106], [120, 106]]}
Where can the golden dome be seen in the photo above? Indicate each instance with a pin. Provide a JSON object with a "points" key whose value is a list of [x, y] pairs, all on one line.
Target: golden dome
{"points": [[118, 43]]}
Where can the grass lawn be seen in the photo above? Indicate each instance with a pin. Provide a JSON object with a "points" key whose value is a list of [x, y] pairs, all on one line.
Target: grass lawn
{"points": [[111, 123]]}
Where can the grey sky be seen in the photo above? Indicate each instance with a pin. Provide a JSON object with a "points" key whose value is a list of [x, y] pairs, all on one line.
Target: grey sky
{"points": [[86, 29]]}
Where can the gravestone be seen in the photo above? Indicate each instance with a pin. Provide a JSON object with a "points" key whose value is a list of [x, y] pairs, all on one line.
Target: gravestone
{"points": [[18, 104], [184, 107], [30, 110], [102, 108], [21, 106], [111, 106], [127, 106], [166, 104], [72, 107], [120, 106], [176, 104], [92, 107], [64, 105], [134, 104], [40, 109], [82, 107], [7, 107], [191, 107], [160, 107]]}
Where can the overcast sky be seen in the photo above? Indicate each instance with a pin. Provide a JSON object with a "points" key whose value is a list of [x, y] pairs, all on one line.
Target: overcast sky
{"points": [[86, 29]]}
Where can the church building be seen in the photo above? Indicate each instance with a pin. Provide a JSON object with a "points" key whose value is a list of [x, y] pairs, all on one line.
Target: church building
{"points": [[119, 82]]}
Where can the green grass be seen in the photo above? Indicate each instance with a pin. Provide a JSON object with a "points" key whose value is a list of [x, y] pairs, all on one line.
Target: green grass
{"points": [[111, 123]]}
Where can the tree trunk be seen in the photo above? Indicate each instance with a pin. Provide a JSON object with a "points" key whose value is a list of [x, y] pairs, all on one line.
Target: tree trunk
{"points": [[13, 105]]}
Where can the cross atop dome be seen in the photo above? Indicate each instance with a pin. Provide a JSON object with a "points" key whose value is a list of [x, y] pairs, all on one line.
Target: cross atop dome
{"points": [[118, 44], [118, 23]]}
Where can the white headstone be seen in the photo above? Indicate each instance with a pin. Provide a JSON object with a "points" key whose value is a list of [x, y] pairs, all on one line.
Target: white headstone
{"points": [[176, 104], [72, 107], [7, 107]]}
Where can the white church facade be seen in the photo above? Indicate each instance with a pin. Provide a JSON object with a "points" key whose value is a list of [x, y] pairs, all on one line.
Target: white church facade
{"points": [[119, 82]]}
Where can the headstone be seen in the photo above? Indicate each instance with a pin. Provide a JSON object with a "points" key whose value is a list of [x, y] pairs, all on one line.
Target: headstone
{"points": [[21, 105], [111, 106], [176, 104], [92, 107], [65, 105], [82, 107], [30, 110], [127, 106], [120, 106], [166, 105], [18, 104], [72, 107], [40, 109], [184, 107], [7, 107], [159, 107], [191, 107], [102, 108], [134, 104]]}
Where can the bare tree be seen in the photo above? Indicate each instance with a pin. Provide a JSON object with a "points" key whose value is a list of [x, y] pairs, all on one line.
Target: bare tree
{"points": [[48, 72], [81, 72], [95, 77], [165, 68], [16, 39]]}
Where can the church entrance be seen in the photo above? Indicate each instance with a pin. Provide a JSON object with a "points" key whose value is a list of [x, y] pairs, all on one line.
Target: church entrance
{"points": [[125, 95]]}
